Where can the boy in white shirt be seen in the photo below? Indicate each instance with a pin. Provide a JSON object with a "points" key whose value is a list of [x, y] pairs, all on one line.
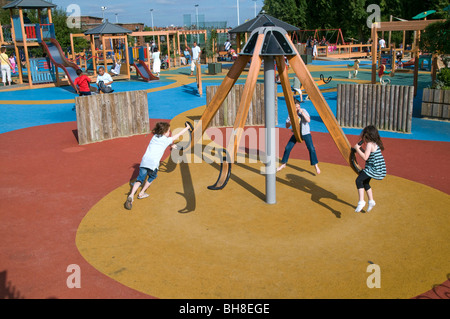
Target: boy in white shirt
{"points": [[105, 78], [150, 161]]}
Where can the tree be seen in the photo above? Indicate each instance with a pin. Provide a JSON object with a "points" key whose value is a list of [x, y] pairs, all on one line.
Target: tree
{"points": [[436, 39]]}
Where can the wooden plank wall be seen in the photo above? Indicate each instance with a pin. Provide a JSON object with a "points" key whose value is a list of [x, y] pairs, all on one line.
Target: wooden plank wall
{"points": [[227, 112], [103, 117], [436, 104], [388, 107]]}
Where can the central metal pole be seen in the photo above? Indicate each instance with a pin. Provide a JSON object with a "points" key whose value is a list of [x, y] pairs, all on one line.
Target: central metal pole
{"points": [[269, 100]]}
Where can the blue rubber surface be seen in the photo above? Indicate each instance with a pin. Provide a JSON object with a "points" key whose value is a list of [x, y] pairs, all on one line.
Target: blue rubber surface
{"points": [[166, 104]]}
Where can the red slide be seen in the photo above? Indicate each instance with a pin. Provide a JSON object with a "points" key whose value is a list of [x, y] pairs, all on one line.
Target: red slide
{"points": [[57, 57], [144, 71]]}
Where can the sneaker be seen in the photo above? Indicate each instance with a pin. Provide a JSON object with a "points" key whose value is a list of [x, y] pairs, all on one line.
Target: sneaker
{"points": [[360, 206], [371, 205], [129, 203]]}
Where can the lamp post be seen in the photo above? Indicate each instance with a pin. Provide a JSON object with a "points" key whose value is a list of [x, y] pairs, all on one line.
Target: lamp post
{"points": [[255, 6], [103, 13], [196, 14], [237, 2], [117, 18], [151, 13]]}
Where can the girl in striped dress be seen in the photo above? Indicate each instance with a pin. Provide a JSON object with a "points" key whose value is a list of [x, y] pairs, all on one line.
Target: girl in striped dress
{"points": [[375, 166]]}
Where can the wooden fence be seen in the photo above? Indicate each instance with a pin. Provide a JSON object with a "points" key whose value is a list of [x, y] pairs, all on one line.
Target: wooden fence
{"points": [[388, 107], [436, 103], [107, 116], [227, 112]]}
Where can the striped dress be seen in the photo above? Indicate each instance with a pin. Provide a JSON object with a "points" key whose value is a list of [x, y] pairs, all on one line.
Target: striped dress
{"points": [[375, 165]]}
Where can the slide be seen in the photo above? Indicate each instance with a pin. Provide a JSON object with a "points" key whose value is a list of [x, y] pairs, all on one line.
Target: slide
{"points": [[144, 71], [57, 57]]}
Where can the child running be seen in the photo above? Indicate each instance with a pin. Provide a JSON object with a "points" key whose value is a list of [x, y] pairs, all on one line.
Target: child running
{"points": [[306, 136], [150, 161], [375, 166]]}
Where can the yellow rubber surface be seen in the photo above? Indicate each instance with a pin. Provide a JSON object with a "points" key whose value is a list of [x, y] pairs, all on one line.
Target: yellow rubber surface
{"points": [[186, 241]]}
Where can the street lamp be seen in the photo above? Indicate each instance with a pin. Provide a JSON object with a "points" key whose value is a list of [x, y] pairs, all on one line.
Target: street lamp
{"points": [[255, 6], [151, 12], [237, 1], [196, 13], [117, 18], [103, 13]]}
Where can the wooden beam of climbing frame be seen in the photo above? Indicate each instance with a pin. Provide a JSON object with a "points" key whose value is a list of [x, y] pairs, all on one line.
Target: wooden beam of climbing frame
{"points": [[320, 104], [220, 96], [246, 99], [284, 78]]}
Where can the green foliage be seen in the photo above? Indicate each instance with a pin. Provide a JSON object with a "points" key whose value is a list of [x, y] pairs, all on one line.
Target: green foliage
{"points": [[443, 79], [436, 38], [350, 16]]}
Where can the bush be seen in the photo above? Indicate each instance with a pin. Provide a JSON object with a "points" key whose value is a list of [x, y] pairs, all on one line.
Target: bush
{"points": [[442, 80], [444, 76]]}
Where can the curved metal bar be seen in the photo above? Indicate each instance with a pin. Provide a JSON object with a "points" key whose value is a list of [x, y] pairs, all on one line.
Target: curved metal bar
{"points": [[225, 172], [327, 80], [190, 136], [353, 161]]}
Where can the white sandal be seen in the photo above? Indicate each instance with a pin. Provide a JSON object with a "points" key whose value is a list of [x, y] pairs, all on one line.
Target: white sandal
{"points": [[143, 196]]}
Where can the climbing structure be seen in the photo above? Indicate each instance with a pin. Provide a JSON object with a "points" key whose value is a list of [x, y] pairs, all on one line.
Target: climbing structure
{"points": [[269, 43]]}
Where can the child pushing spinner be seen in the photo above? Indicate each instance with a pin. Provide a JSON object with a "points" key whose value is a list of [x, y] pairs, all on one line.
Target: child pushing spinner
{"points": [[151, 159], [375, 166]]}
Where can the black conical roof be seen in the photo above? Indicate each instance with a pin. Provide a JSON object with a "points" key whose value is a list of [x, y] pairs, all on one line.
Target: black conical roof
{"points": [[261, 20], [107, 28]]}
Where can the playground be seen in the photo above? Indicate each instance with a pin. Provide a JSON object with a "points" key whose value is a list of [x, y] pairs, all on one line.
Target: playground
{"points": [[63, 202]]}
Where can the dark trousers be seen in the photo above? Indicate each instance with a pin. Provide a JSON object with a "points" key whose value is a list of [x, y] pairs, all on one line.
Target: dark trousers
{"points": [[309, 145], [363, 180]]}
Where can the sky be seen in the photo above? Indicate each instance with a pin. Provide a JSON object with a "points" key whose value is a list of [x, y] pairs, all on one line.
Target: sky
{"points": [[165, 12]]}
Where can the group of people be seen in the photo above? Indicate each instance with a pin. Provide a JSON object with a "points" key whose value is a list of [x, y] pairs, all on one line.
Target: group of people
{"points": [[7, 65], [192, 56], [375, 167], [83, 82]]}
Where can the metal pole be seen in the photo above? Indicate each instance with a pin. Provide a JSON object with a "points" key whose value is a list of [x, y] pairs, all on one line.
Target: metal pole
{"points": [[255, 7], [269, 100], [151, 11], [198, 34], [237, 1]]}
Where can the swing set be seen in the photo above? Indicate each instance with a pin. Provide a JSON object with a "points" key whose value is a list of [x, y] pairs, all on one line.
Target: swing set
{"points": [[301, 36]]}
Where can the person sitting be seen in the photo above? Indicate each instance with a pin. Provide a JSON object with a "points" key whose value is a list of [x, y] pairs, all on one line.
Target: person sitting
{"points": [[26, 20], [233, 54], [187, 55], [104, 81], [82, 83]]}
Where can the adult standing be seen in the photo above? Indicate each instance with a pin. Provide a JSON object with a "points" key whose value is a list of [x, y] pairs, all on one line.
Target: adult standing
{"points": [[195, 57], [156, 61], [5, 66]]}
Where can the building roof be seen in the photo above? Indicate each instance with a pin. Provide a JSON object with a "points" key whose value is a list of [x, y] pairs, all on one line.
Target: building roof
{"points": [[29, 4], [108, 28], [260, 21]]}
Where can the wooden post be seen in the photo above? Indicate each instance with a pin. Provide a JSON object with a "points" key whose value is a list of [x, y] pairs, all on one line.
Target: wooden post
{"points": [[374, 53], [105, 64], [127, 56], [416, 71], [94, 55], [198, 77], [25, 47], [168, 50], [72, 47]]}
